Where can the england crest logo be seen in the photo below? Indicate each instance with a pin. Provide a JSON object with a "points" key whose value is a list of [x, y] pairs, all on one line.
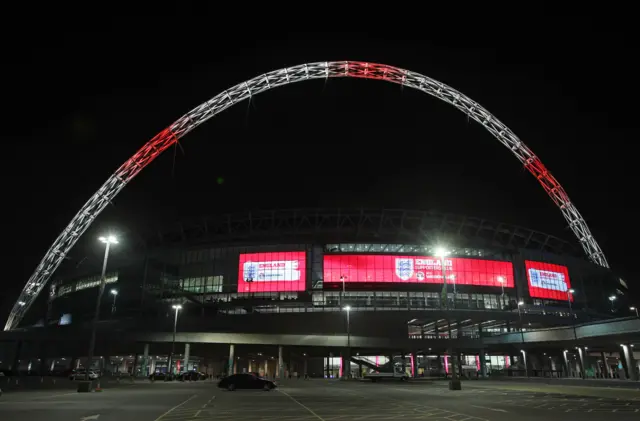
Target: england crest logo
{"points": [[404, 269]]}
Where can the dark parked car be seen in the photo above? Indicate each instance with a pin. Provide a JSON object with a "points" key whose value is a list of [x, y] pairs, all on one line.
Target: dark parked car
{"points": [[192, 376], [246, 381]]}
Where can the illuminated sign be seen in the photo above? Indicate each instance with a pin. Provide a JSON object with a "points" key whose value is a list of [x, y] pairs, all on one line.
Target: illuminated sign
{"points": [[416, 269], [547, 280], [272, 272]]}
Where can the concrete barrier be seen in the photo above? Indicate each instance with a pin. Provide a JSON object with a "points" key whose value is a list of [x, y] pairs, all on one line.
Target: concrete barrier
{"points": [[17, 383], [624, 384]]}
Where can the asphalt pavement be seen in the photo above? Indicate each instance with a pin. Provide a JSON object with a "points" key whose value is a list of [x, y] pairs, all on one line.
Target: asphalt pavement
{"points": [[327, 400]]}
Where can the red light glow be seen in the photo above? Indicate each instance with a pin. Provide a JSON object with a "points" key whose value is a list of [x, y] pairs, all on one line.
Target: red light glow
{"points": [[272, 272], [366, 268], [547, 280]]}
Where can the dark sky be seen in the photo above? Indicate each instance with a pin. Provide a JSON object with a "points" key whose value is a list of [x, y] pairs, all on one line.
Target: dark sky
{"points": [[81, 96]]}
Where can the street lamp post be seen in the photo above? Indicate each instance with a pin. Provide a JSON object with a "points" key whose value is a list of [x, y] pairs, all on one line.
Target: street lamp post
{"points": [[520, 304], [501, 281], [111, 239], [442, 253], [347, 308], [634, 309], [612, 299], [454, 383], [177, 308], [570, 292], [342, 278], [114, 292]]}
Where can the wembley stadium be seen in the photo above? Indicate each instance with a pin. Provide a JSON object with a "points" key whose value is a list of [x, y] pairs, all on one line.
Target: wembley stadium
{"points": [[269, 290], [327, 292]]}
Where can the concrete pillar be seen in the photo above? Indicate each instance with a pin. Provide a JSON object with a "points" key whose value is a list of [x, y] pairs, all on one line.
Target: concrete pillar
{"points": [[145, 361], [152, 365], [346, 365], [565, 360], [280, 363], [629, 362], [187, 350], [326, 367], [525, 360], [483, 363], [460, 371], [581, 359], [232, 359], [305, 372], [414, 364], [606, 369]]}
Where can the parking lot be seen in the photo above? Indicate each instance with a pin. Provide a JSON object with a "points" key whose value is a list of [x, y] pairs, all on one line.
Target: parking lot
{"points": [[327, 400]]}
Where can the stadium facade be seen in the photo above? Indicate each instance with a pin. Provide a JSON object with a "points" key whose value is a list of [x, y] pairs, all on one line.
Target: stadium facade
{"points": [[276, 291]]}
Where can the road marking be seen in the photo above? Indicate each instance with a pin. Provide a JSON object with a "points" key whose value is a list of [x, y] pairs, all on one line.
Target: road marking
{"points": [[90, 417], [302, 405], [174, 408], [490, 409], [197, 413]]}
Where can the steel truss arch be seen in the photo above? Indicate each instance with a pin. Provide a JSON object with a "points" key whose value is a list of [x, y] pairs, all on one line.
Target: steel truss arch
{"points": [[320, 70]]}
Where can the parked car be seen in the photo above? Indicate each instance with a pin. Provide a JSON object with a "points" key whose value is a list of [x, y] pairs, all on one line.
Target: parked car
{"points": [[192, 376], [161, 376], [81, 374], [246, 381]]}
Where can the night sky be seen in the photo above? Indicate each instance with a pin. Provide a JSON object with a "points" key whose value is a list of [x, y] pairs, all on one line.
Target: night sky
{"points": [[81, 97]]}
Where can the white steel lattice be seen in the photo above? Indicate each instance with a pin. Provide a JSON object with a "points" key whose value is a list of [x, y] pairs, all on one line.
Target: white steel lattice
{"points": [[83, 219]]}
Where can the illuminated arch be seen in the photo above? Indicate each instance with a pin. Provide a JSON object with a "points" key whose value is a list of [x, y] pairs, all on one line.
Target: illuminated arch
{"points": [[83, 219]]}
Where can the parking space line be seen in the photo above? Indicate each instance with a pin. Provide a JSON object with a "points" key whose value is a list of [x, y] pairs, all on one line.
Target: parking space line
{"points": [[302, 405], [175, 407], [490, 409]]}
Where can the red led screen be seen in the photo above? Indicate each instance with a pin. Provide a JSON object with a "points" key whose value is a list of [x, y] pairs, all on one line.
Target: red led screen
{"points": [[272, 272], [416, 269], [547, 280]]}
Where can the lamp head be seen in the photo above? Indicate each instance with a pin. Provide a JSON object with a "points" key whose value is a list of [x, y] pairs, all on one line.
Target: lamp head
{"points": [[441, 252], [109, 239]]}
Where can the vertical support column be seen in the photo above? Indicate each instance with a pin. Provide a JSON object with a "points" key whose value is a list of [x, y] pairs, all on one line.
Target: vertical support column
{"points": [[483, 364], [525, 360], [187, 351], [630, 362], [583, 372], [414, 364], [306, 363], [232, 359], [152, 366], [326, 367], [565, 360], [280, 363], [606, 369], [145, 361], [266, 368]]}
